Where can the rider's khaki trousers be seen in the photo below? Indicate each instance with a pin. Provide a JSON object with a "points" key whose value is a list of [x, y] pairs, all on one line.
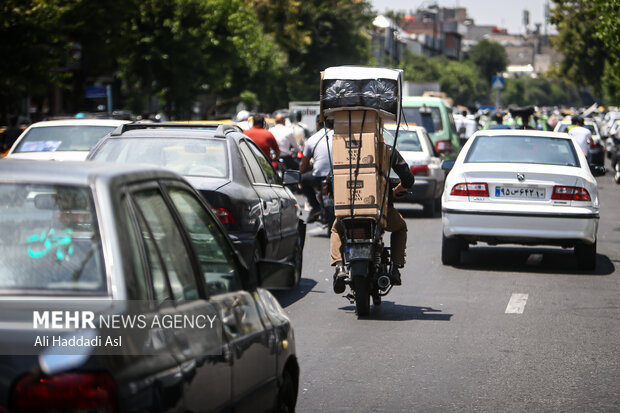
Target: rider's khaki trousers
{"points": [[398, 239]]}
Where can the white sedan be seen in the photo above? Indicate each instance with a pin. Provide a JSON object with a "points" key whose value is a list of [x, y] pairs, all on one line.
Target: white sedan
{"points": [[520, 187], [61, 140], [418, 151]]}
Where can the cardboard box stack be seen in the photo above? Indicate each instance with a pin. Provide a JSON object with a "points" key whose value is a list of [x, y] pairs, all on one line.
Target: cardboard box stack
{"points": [[359, 163], [359, 99]]}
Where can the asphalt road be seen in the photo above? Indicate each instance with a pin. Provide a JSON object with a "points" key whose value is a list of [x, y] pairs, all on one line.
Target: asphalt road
{"points": [[512, 329]]}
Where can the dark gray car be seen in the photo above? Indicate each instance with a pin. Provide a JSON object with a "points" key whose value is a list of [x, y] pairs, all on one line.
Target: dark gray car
{"points": [[255, 205], [132, 243]]}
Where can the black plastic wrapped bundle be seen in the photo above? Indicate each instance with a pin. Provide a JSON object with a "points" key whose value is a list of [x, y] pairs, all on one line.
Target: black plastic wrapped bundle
{"points": [[380, 94], [340, 93]]}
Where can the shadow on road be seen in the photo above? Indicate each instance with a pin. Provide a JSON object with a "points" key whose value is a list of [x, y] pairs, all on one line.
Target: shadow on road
{"points": [[389, 311], [288, 297], [532, 260]]}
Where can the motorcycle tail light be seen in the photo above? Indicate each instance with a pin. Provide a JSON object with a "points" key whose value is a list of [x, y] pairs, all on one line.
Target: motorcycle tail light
{"points": [[66, 392], [479, 189], [570, 193], [419, 170], [594, 145], [300, 154], [224, 215], [274, 164]]}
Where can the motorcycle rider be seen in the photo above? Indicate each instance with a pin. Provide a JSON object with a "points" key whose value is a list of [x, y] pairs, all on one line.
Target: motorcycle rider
{"points": [[319, 151], [394, 223]]}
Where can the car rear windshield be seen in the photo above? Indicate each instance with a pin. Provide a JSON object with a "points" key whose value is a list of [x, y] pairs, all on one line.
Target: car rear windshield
{"points": [[522, 149], [407, 140], [427, 117], [49, 240], [62, 138], [186, 156]]}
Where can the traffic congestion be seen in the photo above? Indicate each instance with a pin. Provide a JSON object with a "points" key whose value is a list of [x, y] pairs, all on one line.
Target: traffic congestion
{"points": [[367, 235]]}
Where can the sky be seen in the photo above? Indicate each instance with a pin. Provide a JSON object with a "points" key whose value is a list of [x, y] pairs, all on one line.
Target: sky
{"points": [[506, 14]]}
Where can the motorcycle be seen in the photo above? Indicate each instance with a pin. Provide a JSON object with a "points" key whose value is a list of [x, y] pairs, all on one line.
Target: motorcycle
{"points": [[367, 262]]}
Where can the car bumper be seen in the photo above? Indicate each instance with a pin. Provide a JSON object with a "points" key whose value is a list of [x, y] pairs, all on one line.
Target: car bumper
{"points": [[532, 228]]}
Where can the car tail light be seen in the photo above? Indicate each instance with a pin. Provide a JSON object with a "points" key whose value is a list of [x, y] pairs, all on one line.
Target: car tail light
{"points": [[470, 189], [66, 392], [443, 146], [300, 154], [419, 169], [224, 215], [570, 193]]}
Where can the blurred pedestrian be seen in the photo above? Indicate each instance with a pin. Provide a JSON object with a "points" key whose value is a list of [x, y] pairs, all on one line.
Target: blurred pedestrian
{"points": [[581, 135], [286, 142], [263, 138]]}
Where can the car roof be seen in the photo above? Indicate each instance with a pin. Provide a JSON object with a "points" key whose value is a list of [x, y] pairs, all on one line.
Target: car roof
{"points": [[521, 132], [74, 172], [79, 122]]}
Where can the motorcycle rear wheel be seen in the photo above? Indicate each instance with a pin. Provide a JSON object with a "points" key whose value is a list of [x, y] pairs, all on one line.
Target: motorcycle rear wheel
{"points": [[362, 296]]}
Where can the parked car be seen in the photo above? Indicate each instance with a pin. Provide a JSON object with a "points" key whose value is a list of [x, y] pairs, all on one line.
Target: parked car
{"points": [[98, 238], [435, 116], [61, 140], [255, 205], [520, 187], [416, 148], [597, 149]]}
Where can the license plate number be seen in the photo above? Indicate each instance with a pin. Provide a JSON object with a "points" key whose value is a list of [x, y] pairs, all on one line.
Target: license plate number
{"points": [[519, 192]]}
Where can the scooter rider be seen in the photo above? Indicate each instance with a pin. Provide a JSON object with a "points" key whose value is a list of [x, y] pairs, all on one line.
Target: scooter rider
{"points": [[319, 151], [394, 223]]}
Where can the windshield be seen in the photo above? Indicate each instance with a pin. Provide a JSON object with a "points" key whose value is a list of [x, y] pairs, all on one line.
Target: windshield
{"points": [[407, 140], [185, 156], [522, 149], [427, 117], [62, 138], [49, 239]]}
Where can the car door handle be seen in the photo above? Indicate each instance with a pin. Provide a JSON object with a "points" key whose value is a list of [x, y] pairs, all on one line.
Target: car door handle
{"points": [[283, 203]]}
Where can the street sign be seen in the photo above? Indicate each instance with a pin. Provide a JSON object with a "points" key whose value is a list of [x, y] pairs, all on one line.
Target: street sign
{"points": [[93, 92], [498, 83]]}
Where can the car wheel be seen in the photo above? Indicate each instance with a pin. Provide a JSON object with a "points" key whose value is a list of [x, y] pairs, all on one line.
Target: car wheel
{"points": [[429, 208], [451, 250], [586, 256], [287, 396]]}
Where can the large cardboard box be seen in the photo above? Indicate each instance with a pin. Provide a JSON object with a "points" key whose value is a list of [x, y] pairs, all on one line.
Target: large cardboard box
{"points": [[362, 195], [348, 148], [362, 121]]}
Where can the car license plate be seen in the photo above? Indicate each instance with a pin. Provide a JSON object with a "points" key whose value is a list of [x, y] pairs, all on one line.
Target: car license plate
{"points": [[519, 192]]}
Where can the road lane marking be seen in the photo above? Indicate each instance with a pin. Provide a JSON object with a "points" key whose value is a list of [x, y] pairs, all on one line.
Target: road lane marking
{"points": [[516, 305]]}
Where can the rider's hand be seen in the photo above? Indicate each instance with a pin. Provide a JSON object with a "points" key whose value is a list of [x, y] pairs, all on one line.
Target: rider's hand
{"points": [[399, 191]]}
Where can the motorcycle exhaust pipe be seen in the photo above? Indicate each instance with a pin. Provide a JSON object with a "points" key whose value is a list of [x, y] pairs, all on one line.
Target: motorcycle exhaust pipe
{"points": [[383, 282]]}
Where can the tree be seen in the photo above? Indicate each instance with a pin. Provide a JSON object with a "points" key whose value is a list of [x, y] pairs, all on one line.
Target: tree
{"points": [[489, 57], [178, 50], [589, 37], [461, 81], [34, 51]]}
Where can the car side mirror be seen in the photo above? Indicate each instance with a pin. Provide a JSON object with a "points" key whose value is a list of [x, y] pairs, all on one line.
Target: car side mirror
{"points": [[275, 275], [597, 170], [291, 178], [447, 165]]}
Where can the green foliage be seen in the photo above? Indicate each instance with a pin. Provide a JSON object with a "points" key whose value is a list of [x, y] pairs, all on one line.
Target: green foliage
{"points": [[459, 80], [589, 39], [489, 57], [34, 51], [540, 92]]}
